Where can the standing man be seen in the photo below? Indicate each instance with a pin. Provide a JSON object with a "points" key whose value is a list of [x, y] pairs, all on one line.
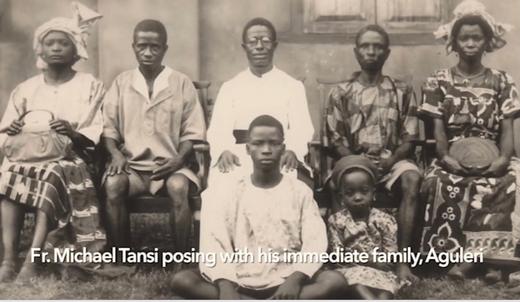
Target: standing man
{"points": [[260, 89], [375, 115], [151, 116]]}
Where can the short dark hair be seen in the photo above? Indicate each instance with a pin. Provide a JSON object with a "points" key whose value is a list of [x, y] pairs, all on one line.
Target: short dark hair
{"points": [[267, 121], [153, 26], [259, 21], [471, 20], [373, 27]]}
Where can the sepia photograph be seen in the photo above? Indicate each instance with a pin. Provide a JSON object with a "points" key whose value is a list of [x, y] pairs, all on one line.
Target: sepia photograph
{"points": [[259, 149]]}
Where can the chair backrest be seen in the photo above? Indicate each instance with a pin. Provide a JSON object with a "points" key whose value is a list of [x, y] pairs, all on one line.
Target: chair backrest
{"points": [[325, 161], [202, 87], [324, 87]]}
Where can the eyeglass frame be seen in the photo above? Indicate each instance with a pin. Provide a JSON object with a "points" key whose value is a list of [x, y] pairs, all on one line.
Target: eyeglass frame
{"points": [[265, 41]]}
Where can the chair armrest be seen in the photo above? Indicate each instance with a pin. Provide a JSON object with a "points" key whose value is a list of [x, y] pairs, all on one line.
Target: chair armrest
{"points": [[314, 162], [201, 150], [201, 147]]}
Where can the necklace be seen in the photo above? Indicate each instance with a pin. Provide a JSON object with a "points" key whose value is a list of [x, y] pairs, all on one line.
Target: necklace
{"points": [[467, 78]]}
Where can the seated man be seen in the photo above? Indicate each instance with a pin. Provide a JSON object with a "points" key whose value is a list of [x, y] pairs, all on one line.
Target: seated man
{"points": [[375, 115], [151, 116], [266, 210], [260, 89]]}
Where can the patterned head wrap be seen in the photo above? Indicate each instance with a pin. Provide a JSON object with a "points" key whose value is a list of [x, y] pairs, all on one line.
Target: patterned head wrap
{"points": [[76, 28], [474, 8], [353, 162]]}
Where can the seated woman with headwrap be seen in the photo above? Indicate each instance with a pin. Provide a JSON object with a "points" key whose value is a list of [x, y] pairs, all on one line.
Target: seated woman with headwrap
{"points": [[60, 191], [470, 187]]}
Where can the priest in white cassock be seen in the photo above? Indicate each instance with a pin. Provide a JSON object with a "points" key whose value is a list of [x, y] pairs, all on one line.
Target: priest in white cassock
{"points": [[260, 89]]}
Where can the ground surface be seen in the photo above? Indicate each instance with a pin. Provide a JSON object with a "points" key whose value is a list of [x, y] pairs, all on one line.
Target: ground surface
{"points": [[154, 282]]}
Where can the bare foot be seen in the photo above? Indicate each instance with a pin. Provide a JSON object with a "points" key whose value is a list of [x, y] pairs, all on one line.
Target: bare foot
{"points": [[493, 276], [7, 271], [456, 273], [405, 274], [28, 272], [514, 290]]}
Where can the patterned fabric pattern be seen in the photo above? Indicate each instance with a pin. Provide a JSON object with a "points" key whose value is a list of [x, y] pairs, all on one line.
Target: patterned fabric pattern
{"points": [[459, 205], [379, 231], [378, 117], [65, 192], [470, 109]]}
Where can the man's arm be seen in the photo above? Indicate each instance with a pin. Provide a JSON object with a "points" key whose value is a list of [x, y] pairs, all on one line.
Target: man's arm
{"points": [[168, 166], [220, 132], [314, 240], [313, 233], [300, 129], [336, 126], [111, 136], [409, 125]]}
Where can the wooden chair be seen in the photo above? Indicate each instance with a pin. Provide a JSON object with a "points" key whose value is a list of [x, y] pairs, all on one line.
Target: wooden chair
{"points": [[321, 160]]}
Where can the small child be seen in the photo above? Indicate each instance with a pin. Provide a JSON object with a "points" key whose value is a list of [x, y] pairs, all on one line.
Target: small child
{"points": [[359, 227]]}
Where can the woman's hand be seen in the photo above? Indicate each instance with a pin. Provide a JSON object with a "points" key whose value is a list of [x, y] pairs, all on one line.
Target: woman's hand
{"points": [[15, 127], [452, 165], [498, 167], [62, 127]]}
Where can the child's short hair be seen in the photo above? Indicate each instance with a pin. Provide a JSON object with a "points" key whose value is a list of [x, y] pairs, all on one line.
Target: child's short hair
{"points": [[268, 121], [353, 162]]}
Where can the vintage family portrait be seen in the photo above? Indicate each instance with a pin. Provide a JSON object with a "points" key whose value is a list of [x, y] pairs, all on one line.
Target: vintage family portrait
{"points": [[274, 149]]}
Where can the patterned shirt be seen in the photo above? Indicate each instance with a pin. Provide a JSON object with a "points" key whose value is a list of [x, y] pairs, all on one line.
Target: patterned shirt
{"points": [[278, 219], [364, 118], [380, 230], [470, 108]]}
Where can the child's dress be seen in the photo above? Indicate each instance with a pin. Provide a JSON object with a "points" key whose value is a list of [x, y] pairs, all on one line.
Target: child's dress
{"points": [[351, 235]]}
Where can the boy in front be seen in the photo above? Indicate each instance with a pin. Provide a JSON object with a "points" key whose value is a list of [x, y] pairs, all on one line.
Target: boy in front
{"points": [[264, 210]]}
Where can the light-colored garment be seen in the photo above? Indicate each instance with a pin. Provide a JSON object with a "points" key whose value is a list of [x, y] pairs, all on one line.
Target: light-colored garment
{"points": [[379, 231], [75, 28], [242, 99], [284, 217], [247, 96], [77, 101], [152, 128], [64, 189]]}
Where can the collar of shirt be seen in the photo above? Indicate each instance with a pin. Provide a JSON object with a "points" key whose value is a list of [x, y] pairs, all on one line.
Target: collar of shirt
{"points": [[385, 82], [160, 83], [270, 74]]}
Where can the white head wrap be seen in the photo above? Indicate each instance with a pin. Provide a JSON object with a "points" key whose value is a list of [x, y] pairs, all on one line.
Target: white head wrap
{"points": [[75, 28], [474, 8]]}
